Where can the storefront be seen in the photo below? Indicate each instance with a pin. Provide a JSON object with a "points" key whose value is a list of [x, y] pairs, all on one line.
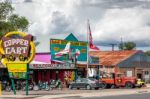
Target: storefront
{"points": [[47, 72]]}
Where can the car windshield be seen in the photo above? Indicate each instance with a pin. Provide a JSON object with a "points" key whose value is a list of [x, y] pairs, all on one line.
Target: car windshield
{"points": [[92, 79], [79, 80]]}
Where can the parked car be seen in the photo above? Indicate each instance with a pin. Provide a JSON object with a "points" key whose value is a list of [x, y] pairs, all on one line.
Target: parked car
{"points": [[120, 80], [140, 83], [88, 83]]}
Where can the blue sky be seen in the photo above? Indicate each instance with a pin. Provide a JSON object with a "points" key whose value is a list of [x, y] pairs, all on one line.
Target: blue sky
{"points": [[110, 20]]}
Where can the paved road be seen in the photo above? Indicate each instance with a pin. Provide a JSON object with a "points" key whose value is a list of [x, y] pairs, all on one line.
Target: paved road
{"points": [[134, 96]]}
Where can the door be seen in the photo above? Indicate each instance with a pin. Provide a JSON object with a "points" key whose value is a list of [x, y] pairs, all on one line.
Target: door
{"points": [[78, 83], [139, 75], [84, 82]]}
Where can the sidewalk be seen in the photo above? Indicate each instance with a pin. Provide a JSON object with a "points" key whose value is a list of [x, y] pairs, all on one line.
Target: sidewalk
{"points": [[96, 94], [78, 93], [148, 85]]}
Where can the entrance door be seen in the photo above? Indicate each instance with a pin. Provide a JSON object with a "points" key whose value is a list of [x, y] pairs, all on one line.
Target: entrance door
{"points": [[139, 75]]}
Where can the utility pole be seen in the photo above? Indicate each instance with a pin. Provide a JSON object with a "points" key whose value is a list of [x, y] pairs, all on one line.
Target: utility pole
{"points": [[113, 45]]}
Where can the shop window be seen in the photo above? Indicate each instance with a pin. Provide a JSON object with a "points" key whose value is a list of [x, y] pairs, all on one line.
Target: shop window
{"points": [[146, 72]]}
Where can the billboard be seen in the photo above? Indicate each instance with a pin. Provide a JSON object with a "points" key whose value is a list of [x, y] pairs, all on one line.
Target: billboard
{"points": [[57, 45]]}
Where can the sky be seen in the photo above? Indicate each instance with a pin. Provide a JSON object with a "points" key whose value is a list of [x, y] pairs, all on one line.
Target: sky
{"points": [[110, 20]]}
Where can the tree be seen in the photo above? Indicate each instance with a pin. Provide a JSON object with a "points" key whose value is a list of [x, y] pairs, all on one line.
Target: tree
{"points": [[5, 9], [9, 21], [127, 46], [147, 53], [20, 23]]}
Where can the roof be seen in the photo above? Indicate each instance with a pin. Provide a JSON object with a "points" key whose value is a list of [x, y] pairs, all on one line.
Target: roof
{"points": [[42, 57], [112, 58]]}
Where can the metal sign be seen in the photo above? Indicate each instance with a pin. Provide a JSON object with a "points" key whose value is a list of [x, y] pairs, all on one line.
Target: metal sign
{"points": [[93, 60], [16, 46], [52, 66], [57, 45], [17, 67], [18, 50]]}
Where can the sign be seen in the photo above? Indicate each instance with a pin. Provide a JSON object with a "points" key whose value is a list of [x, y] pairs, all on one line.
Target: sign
{"points": [[57, 45], [52, 66], [17, 67], [16, 46], [18, 75], [18, 50], [129, 73], [93, 60]]}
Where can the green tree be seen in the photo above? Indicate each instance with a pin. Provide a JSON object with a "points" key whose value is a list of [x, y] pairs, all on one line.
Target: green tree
{"points": [[9, 21], [127, 46], [5, 10], [19, 23], [147, 53]]}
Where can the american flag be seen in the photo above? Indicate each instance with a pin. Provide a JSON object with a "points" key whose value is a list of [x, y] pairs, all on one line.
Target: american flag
{"points": [[92, 46]]}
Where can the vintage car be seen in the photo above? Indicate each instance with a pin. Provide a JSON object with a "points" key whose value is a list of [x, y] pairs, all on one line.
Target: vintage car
{"points": [[140, 83]]}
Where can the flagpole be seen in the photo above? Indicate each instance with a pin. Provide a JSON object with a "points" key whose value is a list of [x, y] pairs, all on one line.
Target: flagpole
{"points": [[87, 47]]}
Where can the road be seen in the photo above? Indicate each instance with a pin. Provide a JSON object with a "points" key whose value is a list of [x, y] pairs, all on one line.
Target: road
{"points": [[134, 96]]}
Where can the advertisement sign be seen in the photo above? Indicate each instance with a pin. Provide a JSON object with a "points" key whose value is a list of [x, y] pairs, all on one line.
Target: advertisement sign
{"points": [[93, 60], [18, 50], [52, 66], [17, 67], [16, 46], [57, 45]]}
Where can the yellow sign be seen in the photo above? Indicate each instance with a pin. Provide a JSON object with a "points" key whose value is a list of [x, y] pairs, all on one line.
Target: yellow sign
{"points": [[17, 67]]}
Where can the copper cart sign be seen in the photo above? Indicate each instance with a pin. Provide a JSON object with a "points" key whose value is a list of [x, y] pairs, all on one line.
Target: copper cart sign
{"points": [[18, 50]]}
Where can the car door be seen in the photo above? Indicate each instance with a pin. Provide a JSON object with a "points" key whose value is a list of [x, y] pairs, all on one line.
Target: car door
{"points": [[78, 83], [84, 82]]}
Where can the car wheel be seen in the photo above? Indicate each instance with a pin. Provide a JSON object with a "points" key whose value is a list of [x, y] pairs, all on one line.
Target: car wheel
{"points": [[88, 87], [113, 87], [103, 85], [35, 88], [129, 85], [47, 88], [8, 88], [70, 86], [140, 86], [96, 88]]}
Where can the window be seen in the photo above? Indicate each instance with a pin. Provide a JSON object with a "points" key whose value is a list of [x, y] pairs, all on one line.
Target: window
{"points": [[146, 72], [79, 80]]}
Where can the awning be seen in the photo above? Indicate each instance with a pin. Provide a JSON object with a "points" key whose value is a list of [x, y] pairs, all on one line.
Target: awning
{"points": [[52, 66]]}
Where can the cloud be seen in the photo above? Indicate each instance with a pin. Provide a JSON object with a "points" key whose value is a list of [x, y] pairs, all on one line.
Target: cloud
{"points": [[110, 19], [110, 4], [130, 24]]}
